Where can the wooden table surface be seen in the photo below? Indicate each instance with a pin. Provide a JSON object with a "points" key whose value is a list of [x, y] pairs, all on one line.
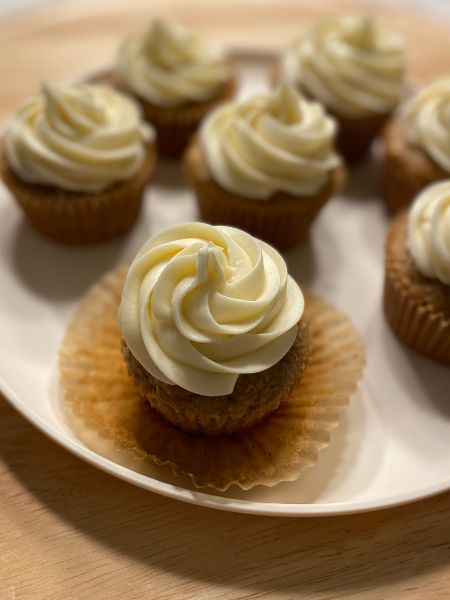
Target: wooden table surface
{"points": [[69, 531]]}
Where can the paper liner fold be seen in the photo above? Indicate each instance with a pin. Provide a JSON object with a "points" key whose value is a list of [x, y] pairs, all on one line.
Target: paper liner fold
{"points": [[81, 218], [97, 389]]}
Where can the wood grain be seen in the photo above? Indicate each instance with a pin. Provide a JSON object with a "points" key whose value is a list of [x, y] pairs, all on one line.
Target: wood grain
{"points": [[69, 531], [67, 38]]}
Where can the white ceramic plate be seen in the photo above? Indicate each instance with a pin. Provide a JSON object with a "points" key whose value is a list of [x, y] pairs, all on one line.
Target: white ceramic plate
{"points": [[393, 444]]}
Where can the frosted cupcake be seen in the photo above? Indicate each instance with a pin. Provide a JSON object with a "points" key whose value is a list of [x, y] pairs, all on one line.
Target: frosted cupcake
{"points": [[417, 283], [355, 68], [77, 158], [266, 165], [211, 325], [231, 375], [176, 78], [417, 146]]}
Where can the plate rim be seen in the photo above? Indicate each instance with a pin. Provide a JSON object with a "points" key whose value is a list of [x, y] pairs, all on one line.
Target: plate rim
{"points": [[205, 499]]}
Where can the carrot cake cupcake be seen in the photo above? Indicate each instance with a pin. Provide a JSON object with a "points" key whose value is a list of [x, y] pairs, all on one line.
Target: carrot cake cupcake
{"points": [[417, 282], [226, 371], [176, 78], [417, 146], [77, 158], [266, 165], [211, 325], [355, 67]]}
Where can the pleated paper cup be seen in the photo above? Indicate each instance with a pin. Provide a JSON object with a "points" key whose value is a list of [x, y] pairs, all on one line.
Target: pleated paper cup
{"points": [[417, 308], [98, 391], [77, 217]]}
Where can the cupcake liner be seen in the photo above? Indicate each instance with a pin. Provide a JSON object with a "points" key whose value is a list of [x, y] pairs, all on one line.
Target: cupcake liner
{"points": [[97, 389], [255, 395], [355, 136], [406, 169], [283, 220], [80, 218], [174, 125], [417, 308]]}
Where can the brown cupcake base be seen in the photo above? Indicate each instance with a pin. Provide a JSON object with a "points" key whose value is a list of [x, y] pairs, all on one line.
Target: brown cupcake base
{"points": [[417, 308], [283, 220], [253, 398], [355, 136], [407, 169], [100, 396], [174, 126], [80, 218]]}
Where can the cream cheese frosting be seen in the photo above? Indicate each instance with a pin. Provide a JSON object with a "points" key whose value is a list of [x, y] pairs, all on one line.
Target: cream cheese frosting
{"points": [[168, 65], [268, 144], [202, 304], [351, 64], [77, 137], [428, 121], [428, 238]]}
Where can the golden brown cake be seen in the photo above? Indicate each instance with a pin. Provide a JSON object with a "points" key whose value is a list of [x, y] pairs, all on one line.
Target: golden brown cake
{"points": [[175, 78], [417, 277], [266, 165], [254, 396], [77, 158], [415, 151], [355, 68]]}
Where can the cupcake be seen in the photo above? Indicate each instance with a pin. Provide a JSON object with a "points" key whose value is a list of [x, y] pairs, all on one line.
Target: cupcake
{"points": [[176, 78], [211, 326], [205, 356], [416, 146], [417, 282], [77, 158], [355, 68], [266, 165]]}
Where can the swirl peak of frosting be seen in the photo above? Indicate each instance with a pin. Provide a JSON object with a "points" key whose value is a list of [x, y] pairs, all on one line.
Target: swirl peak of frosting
{"points": [[351, 64], [77, 137], [428, 238], [203, 304], [428, 121], [168, 65], [269, 144]]}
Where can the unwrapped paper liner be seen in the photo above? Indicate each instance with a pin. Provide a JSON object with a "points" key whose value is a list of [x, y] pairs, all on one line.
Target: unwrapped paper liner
{"points": [[97, 389]]}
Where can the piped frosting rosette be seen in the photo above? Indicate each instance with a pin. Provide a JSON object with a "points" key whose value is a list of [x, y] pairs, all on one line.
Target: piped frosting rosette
{"points": [[77, 137], [202, 305]]}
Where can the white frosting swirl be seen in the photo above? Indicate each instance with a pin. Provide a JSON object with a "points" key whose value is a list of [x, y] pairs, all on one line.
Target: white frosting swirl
{"points": [[168, 65], [428, 121], [351, 64], [429, 232], [269, 144], [203, 304], [77, 137]]}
